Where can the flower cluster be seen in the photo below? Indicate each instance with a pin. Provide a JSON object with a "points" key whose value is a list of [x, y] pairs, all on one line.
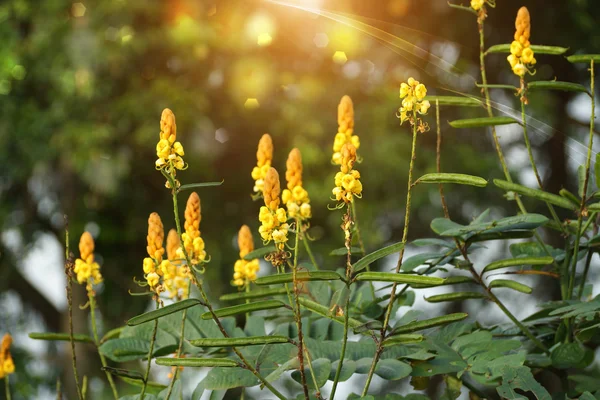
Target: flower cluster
{"points": [[168, 150], [192, 241], [244, 271], [151, 264], [174, 276], [272, 217], [295, 196], [477, 4], [264, 157], [7, 366], [412, 94], [521, 56], [347, 181], [345, 129], [87, 270]]}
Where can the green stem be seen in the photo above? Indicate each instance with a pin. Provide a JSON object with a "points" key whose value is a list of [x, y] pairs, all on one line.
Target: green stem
{"points": [[97, 342], [178, 354], [305, 240], [152, 340], [347, 225], [390, 306], [588, 260], [361, 245], [312, 374], [206, 301], [297, 315], [69, 272], [526, 136], [7, 388], [438, 157], [585, 183]]}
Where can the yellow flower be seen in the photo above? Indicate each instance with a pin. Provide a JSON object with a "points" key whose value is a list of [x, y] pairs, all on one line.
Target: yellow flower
{"points": [[7, 365], [264, 157], [347, 183], [272, 189], [477, 4], [192, 242], [412, 94], [245, 271], [152, 279], [295, 196], [168, 151], [272, 217], [173, 243], [86, 269], [155, 237], [521, 57], [345, 129]]}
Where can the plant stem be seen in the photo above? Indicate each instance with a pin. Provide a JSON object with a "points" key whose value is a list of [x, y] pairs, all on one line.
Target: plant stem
{"points": [[585, 184], [588, 260], [97, 342], [69, 274], [297, 315], [7, 388], [347, 227], [312, 374], [438, 157], [178, 354], [361, 244], [207, 302], [390, 306], [309, 251], [526, 136], [152, 340]]}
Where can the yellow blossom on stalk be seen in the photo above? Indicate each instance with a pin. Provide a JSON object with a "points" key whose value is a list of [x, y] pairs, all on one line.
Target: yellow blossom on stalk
{"points": [[175, 275], [347, 181], [244, 271], [87, 270], [521, 58], [272, 217], [192, 242], [155, 249], [413, 95], [345, 129], [477, 4], [295, 196], [168, 150], [264, 157], [7, 366]]}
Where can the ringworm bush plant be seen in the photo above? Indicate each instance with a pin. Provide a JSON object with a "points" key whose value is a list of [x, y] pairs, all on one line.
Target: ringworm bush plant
{"points": [[304, 329]]}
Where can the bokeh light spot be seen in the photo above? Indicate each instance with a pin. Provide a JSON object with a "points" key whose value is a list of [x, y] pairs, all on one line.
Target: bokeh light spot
{"points": [[221, 135], [264, 39], [321, 40], [251, 103], [78, 10], [18, 72], [339, 57]]}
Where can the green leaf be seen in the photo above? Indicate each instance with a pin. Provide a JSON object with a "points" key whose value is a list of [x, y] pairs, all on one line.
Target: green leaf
{"points": [[535, 193], [429, 323], [482, 122], [567, 355], [161, 312], [125, 349], [151, 387], [514, 262], [460, 179], [391, 369], [403, 339], [113, 333], [321, 368], [462, 101], [520, 378], [253, 294], [239, 341], [302, 276], [399, 278], [244, 308], [570, 196], [584, 58], [557, 85], [196, 362], [376, 255], [191, 186], [445, 227], [597, 169], [497, 86], [417, 260], [342, 251], [324, 311], [510, 284], [348, 369], [538, 49], [61, 336], [124, 373], [455, 296], [259, 253], [227, 378], [369, 326]]}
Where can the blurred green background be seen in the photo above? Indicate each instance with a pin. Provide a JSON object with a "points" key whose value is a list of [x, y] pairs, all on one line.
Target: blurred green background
{"points": [[83, 84]]}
